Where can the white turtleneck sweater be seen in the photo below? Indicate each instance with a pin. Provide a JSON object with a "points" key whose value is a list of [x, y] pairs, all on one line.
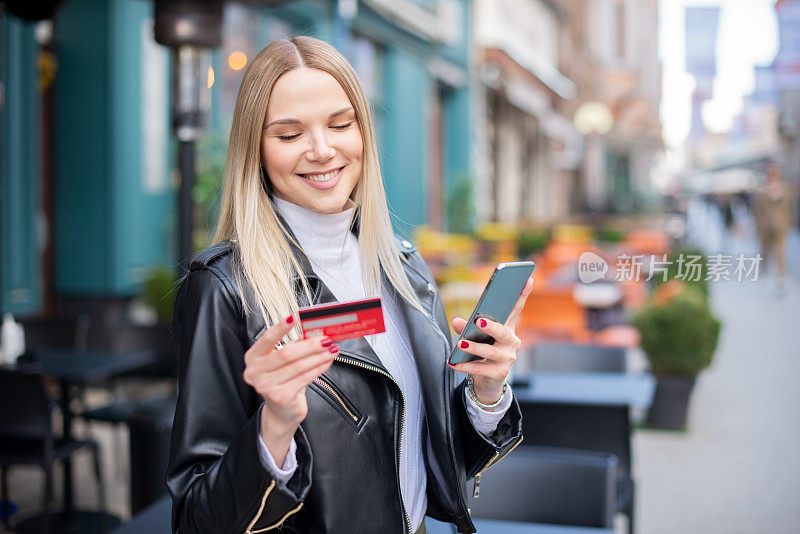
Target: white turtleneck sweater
{"points": [[335, 258]]}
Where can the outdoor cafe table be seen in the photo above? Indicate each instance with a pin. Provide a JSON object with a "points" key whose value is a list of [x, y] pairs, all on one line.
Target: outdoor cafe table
{"points": [[494, 526], [588, 411], [72, 367], [588, 388], [156, 520], [583, 410]]}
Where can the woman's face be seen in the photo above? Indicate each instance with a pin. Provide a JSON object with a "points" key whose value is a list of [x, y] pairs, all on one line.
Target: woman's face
{"points": [[311, 146]]}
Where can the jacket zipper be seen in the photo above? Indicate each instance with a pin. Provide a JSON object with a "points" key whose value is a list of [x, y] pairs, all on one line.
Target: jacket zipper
{"points": [[261, 510], [402, 424], [430, 319], [476, 488], [330, 390]]}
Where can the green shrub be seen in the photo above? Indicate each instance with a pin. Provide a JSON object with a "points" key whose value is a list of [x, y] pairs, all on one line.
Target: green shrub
{"points": [[207, 190], [610, 234], [689, 275], [459, 205], [532, 240], [159, 291], [680, 336]]}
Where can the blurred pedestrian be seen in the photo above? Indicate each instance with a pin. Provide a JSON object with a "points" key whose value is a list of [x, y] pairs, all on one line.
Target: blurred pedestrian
{"points": [[273, 431], [773, 214]]}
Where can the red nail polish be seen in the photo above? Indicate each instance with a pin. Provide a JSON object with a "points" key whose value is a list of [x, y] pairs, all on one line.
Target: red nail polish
{"points": [[334, 349], [290, 319], [327, 342], [463, 344], [482, 323]]}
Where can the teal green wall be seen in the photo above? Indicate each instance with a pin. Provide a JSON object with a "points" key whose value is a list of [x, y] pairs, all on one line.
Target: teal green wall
{"points": [[20, 286], [403, 128], [405, 139], [109, 229], [459, 125]]}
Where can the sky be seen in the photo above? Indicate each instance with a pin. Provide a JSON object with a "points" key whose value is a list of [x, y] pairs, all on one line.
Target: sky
{"points": [[747, 36]]}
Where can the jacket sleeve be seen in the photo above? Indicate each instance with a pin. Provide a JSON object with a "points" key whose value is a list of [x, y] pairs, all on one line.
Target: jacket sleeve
{"points": [[216, 476], [481, 451]]}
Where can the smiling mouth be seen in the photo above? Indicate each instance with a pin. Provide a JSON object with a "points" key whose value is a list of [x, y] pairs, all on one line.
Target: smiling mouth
{"points": [[322, 177]]}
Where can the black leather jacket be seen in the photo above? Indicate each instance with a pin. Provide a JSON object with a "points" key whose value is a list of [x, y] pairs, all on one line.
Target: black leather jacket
{"points": [[347, 478]]}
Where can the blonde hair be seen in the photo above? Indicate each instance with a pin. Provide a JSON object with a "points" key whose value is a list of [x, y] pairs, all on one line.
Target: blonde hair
{"points": [[247, 216]]}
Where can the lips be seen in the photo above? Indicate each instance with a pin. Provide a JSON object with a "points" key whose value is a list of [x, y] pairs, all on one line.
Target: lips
{"points": [[321, 176], [324, 180]]}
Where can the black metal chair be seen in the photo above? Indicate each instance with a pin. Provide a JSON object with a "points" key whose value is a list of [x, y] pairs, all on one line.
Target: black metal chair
{"points": [[568, 357], [604, 429], [547, 485], [63, 332], [157, 338], [26, 435], [149, 419], [156, 518]]}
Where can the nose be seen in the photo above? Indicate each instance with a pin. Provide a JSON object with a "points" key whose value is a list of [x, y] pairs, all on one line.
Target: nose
{"points": [[319, 149]]}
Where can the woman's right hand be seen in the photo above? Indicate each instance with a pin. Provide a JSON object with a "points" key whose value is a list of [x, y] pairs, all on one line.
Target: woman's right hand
{"points": [[280, 376]]}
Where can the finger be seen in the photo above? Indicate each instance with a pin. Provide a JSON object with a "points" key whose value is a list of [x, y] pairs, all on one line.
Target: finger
{"points": [[291, 352], [256, 365], [298, 367], [298, 383], [459, 324], [517, 309], [272, 335], [496, 372], [501, 333], [287, 392], [490, 353]]}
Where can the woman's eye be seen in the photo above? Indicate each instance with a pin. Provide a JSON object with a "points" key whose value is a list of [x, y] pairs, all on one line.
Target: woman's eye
{"points": [[288, 137], [342, 126]]}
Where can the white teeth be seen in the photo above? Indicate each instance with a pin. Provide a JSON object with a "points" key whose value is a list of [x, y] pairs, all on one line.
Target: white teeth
{"points": [[321, 177]]}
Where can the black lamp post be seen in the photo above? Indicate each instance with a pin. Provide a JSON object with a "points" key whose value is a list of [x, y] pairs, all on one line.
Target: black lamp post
{"points": [[191, 28]]}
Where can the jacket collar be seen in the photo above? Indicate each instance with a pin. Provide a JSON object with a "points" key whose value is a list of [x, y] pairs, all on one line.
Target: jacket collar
{"points": [[355, 348], [359, 348]]}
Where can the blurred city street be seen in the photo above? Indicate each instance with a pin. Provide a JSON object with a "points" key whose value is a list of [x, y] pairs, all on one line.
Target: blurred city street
{"points": [[736, 468]]}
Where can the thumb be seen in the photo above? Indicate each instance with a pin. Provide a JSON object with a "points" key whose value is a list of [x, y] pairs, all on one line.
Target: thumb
{"points": [[459, 324]]}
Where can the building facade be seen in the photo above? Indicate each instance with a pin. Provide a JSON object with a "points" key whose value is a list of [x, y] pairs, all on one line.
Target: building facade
{"points": [[525, 157], [567, 100], [626, 72], [89, 182], [786, 68]]}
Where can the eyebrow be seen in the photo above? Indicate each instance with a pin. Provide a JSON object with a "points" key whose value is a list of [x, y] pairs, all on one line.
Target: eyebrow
{"points": [[295, 121]]}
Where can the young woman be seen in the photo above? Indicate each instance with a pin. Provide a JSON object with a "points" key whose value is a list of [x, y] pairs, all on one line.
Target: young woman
{"points": [[303, 435]]}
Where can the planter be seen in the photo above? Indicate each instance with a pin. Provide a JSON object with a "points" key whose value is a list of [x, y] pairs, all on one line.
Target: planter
{"points": [[671, 402]]}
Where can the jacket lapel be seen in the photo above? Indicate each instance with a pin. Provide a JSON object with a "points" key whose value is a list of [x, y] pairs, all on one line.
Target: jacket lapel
{"points": [[356, 348]]}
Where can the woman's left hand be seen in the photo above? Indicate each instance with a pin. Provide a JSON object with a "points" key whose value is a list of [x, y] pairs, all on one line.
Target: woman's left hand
{"points": [[489, 374]]}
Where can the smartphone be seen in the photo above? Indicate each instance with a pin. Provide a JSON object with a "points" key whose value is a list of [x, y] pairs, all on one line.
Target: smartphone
{"points": [[496, 302]]}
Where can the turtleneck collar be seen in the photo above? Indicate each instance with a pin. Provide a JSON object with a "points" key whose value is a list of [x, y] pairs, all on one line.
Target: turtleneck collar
{"points": [[317, 233]]}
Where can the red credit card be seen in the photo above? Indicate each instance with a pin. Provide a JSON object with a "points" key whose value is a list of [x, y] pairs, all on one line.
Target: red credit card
{"points": [[343, 320]]}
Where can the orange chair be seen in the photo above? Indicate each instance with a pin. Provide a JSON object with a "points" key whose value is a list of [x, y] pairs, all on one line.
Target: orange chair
{"points": [[634, 293], [624, 336], [553, 314], [648, 242]]}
